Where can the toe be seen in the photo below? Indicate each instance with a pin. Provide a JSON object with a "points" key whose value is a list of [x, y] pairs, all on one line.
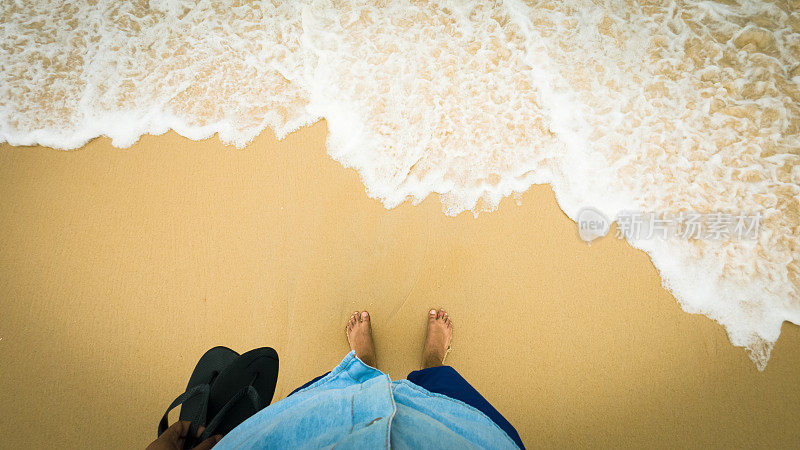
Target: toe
{"points": [[442, 314], [365, 316], [432, 314]]}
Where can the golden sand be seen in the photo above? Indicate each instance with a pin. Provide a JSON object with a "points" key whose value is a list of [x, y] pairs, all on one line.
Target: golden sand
{"points": [[120, 267]]}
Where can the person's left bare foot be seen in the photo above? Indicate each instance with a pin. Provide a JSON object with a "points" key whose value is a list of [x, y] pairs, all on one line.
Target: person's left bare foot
{"points": [[359, 335]]}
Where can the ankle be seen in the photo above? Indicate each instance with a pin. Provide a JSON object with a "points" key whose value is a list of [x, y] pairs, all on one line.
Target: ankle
{"points": [[431, 361]]}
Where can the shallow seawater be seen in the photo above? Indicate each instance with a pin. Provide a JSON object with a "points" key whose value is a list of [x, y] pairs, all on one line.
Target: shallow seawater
{"points": [[664, 106]]}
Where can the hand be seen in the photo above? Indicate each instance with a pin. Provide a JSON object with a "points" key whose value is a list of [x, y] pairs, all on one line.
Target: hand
{"points": [[173, 438]]}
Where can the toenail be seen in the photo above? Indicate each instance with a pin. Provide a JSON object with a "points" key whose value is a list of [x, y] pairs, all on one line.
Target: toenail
{"points": [[433, 311]]}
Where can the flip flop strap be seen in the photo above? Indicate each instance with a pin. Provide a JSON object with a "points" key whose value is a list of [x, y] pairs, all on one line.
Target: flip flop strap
{"points": [[249, 391], [202, 390]]}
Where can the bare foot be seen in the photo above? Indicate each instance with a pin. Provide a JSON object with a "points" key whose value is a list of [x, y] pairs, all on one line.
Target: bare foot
{"points": [[437, 343], [359, 335]]}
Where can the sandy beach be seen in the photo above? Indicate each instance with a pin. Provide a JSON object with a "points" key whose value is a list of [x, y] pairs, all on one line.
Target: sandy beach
{"points": [[120, 267]]}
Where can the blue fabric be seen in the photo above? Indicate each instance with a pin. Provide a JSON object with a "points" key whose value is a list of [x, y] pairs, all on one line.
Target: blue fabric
{"points": [[446, 381], [358, 406]]}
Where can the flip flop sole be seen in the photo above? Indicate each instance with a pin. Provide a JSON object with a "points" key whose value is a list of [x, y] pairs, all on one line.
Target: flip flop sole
{"points": [[211, 364], [255, 374], [194, 401]]}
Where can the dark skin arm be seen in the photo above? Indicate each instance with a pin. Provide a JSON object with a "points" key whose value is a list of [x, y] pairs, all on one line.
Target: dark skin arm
{"points": [[174, 437]]}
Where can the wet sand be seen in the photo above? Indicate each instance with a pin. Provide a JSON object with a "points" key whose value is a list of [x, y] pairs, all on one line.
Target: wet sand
{"points": [[120, 267]]}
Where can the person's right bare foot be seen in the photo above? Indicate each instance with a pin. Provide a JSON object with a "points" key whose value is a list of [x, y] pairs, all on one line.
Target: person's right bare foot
{"points": [[437, 342]]}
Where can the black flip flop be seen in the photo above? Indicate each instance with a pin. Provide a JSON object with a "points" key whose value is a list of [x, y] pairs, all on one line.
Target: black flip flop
{"points": [[195, 400], [244, 388]]}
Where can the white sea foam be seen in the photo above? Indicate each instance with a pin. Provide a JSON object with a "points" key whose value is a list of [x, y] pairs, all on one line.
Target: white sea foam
{"points": [[650, 105]]}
